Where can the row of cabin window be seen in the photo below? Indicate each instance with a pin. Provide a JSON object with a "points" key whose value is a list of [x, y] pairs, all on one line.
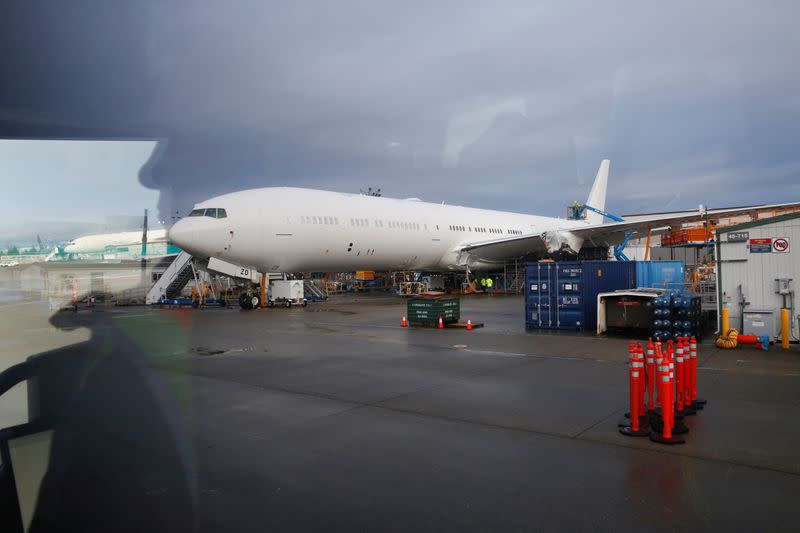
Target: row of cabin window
{"points": [[319, 220], [391, 224], [362, 222], [485, 230]]}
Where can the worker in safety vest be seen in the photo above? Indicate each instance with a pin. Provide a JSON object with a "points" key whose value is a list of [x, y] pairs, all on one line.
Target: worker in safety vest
{"points": [[483, 283], [489, 284]]}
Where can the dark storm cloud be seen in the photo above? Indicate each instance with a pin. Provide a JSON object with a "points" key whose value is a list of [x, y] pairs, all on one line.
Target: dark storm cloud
{"points": [[505, 105]]}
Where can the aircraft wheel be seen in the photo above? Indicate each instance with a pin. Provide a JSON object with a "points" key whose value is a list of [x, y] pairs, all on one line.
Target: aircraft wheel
{"points": [[244, 301], [255, 301], [305, 303], [288, 304], [270, 304]]}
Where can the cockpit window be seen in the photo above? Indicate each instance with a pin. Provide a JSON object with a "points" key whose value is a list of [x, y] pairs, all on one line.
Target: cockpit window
{"points": [[212, 212]]}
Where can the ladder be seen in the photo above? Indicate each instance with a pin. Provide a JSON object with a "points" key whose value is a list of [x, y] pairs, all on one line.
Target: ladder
{"points": [[514, 275], [174, 279], [708, 293]]}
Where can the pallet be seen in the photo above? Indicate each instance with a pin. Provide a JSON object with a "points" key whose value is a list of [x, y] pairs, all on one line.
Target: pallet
{"points": [[451, 325], [463, 325]]}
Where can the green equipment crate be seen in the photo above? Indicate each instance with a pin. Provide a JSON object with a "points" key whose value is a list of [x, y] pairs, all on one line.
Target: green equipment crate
{"points": [[426, 312]]}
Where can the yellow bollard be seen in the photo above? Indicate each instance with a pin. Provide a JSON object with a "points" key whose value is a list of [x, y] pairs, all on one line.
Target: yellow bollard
{"points": [[785, 328], [264, 280], [726, 321]]}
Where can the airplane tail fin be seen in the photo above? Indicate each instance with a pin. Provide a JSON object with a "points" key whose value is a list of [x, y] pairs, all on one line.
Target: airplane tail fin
{"points": [[597, 196]]}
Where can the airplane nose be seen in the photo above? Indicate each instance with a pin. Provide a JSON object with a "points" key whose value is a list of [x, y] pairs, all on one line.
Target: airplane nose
{"points": [[183, 235]]}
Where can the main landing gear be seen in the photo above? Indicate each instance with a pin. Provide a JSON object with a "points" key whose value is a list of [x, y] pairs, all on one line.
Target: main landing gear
{"points": [[249, 301]]}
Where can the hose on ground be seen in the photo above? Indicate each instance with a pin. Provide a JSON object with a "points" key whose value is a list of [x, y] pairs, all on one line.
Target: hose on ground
{"points": [[728, 340]]}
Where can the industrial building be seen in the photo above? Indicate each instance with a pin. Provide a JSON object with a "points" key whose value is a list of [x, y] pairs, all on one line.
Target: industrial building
{"points": [[757, 269], [124, 283]]}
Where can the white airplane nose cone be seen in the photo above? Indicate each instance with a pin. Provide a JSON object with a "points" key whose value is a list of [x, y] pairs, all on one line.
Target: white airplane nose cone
{"points": [[182, 235]]}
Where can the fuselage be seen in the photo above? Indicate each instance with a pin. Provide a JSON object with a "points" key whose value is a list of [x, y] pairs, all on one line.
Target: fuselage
{"points": [[99, 242], [284, 229]]}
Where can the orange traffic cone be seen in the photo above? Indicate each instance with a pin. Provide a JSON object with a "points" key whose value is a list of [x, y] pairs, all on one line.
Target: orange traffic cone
{"points": [[636, 389], [643, 380], [650, 373], [631, 357], [404, 324], [663, 432], [680, 386], [441, 324], [469, 323], [688, 407]]}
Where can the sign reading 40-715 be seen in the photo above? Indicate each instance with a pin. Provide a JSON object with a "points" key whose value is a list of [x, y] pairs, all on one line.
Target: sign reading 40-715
{"points": [[780, 245]]}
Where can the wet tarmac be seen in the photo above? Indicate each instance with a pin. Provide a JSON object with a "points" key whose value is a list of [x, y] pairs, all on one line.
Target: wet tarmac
{"points": [[334, 417]]}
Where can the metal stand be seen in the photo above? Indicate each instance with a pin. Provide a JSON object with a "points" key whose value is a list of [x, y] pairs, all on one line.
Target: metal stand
{"points": [[678, 428], [659, 438], [644, 428]]}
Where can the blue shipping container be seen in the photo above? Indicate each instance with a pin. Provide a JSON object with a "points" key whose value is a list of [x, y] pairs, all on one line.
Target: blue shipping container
{"points": [[538, 297], [604, 276], [564, 295], [660, 274]]}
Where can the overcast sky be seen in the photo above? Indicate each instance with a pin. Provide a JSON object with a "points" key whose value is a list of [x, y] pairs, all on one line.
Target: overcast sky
{"points": [[505, 105], [57, 186]]}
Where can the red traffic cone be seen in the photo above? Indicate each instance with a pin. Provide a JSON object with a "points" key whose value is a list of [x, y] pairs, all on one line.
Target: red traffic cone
{"points": [[666, 383], [636, 389], [680, 386], [404, 324], [441, 324], [650, 374], [469, 323]]}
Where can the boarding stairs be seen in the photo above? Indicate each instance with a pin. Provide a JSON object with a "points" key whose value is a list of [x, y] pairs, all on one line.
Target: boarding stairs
{"points": [[173, 280], [313, 291]]}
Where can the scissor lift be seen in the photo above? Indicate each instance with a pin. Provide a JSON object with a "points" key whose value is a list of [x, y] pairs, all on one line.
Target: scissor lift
{"points": [[578, 212]]}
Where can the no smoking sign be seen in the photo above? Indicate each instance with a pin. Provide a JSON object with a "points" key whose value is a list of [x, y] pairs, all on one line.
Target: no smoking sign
{"points": [[780, 245]]}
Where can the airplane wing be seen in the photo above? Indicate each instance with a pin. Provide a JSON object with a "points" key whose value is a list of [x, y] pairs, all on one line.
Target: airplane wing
{"points": [[598, 234], [613, 233], [508, 248]]}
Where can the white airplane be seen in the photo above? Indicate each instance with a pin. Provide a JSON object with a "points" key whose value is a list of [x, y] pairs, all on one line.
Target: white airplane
{"points": [[285, 229], [98, 243]]}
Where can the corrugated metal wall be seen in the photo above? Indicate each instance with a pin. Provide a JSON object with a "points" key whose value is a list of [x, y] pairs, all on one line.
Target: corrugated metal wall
{"points": [[660, 274], [756, 272]]}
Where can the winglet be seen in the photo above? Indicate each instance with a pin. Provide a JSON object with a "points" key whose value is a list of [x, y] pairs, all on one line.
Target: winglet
{"points": [[597, 197]]}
